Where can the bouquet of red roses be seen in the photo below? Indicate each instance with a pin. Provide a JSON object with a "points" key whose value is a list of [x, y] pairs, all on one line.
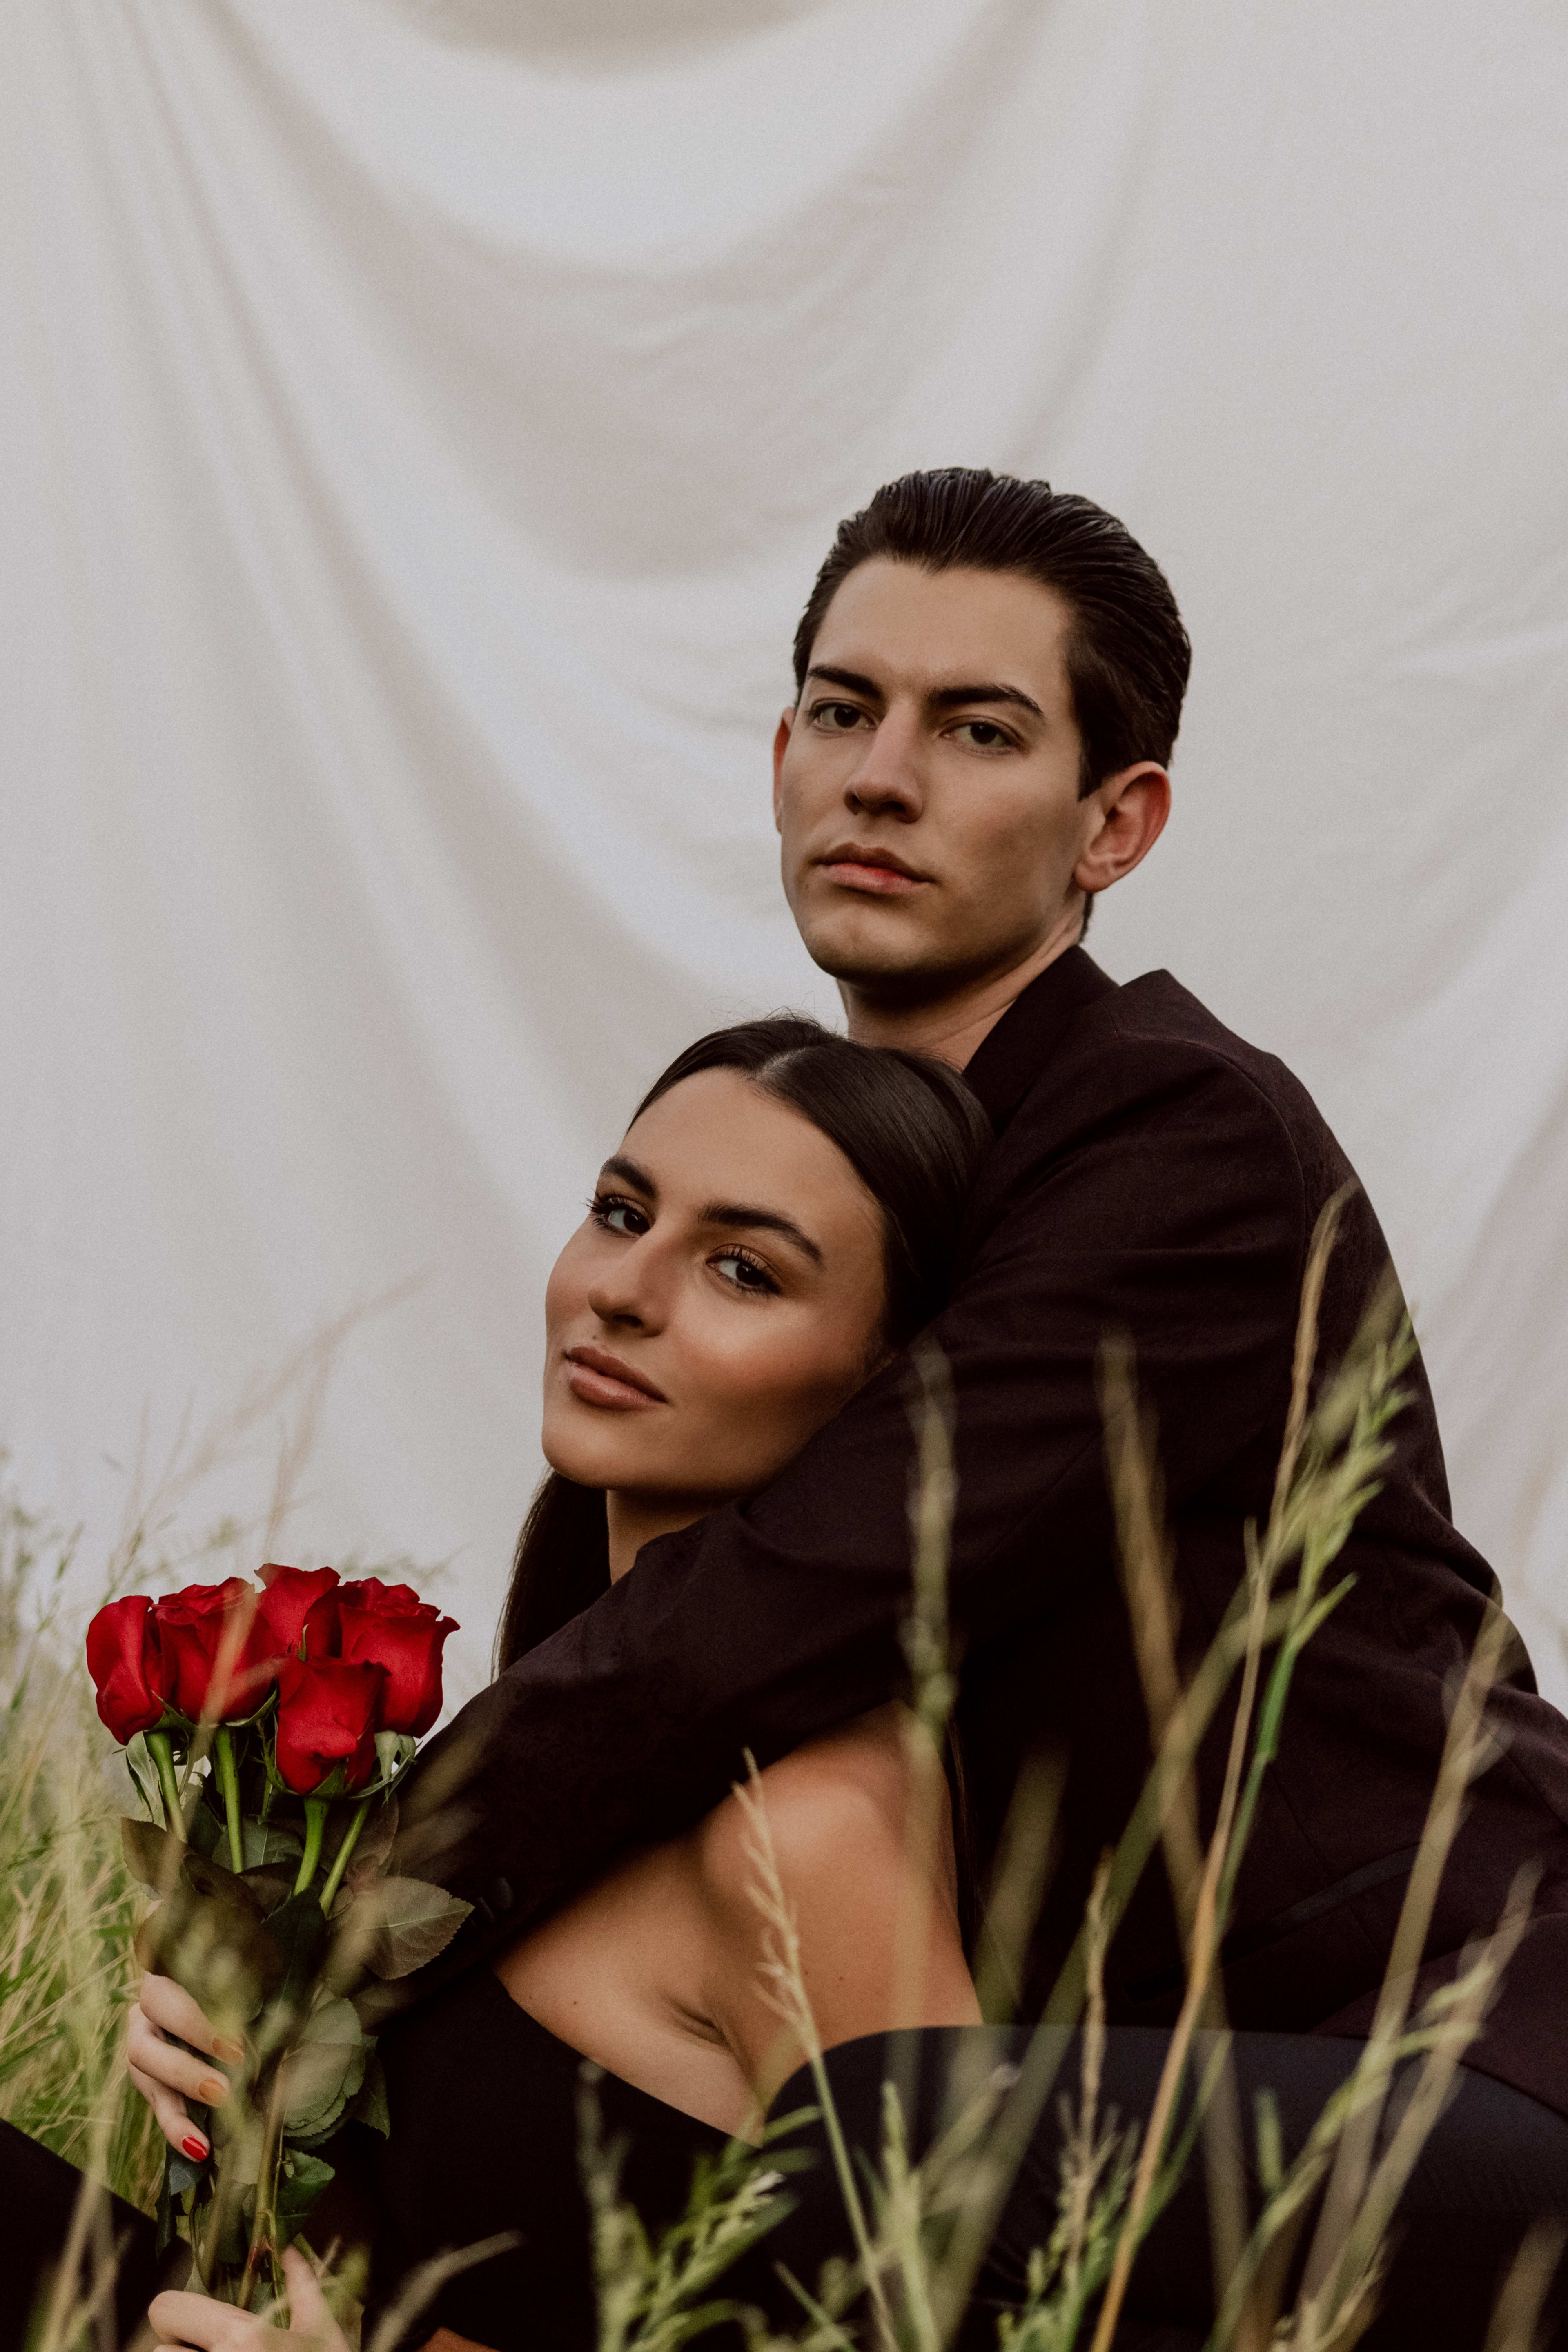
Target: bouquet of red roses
{"points": [[265, 1732]]}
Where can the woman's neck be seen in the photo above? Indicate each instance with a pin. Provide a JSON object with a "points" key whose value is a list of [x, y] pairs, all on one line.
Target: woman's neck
{"points": [[633, 1520]]}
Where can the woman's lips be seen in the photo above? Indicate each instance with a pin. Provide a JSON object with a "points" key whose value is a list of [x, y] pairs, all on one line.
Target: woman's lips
{"points": [[599, 1378]]}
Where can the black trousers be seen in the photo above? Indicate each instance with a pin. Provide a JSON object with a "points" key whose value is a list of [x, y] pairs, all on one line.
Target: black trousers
{"points": [[39, 2192], [1495, 2162]]}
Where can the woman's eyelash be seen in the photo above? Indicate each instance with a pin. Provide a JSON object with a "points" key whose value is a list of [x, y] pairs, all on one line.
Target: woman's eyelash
{"points": [[603, 1205], [745, 1257], [600, 1204]]}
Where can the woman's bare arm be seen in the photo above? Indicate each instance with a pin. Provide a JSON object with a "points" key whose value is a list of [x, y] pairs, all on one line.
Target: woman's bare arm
{"points": [[868, 1882]]}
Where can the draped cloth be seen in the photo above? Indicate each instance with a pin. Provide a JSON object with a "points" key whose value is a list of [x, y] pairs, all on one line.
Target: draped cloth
{"points": [[423, 419]]}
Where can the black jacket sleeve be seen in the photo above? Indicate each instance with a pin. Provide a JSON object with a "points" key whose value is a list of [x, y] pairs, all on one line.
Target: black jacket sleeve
{"points": [[1147, 1186]]}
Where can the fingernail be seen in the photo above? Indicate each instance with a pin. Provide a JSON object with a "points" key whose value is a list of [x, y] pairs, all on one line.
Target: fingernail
{"points": [[213, 2089], [196, 2149], [231, 2053]]}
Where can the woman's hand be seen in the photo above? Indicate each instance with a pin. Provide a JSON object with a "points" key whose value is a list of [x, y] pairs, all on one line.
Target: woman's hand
{"points": [[163, 2072], [209, 2327]]}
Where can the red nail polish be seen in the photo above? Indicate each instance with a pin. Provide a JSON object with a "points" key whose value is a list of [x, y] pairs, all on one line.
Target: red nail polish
{"points": [[194, 2148]]}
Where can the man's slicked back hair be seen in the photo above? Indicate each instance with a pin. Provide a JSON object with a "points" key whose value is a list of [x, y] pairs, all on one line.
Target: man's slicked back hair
{"points": [[1128, 655]]}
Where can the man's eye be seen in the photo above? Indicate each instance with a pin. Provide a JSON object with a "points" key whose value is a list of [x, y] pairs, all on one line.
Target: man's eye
{"points": [[618, 1217], [984, 735], [745, 1273], [838, 718]]}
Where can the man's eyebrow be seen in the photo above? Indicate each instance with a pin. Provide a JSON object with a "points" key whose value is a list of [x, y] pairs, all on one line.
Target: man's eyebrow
{"points": [[736, 1218], [628, 1172], [949, 698], [942, 698], [850, 678]]}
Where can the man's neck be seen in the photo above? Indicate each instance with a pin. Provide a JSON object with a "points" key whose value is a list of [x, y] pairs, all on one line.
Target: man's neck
{"points": [[952, 1028]]}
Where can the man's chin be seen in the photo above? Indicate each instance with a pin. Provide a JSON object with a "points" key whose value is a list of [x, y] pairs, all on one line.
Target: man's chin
{"points": [[885, 972]]}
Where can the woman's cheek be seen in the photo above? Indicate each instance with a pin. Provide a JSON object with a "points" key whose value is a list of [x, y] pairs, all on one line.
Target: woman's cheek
{"points": [[566, 1292]]}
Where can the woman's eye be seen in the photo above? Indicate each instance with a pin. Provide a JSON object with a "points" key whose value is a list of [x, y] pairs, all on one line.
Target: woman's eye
{"points": [[838, 718], [744, 1272], [618, 1216], [984, 735]]}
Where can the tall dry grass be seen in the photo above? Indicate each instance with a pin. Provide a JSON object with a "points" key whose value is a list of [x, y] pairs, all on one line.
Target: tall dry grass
{"points": [[915, 2232]]}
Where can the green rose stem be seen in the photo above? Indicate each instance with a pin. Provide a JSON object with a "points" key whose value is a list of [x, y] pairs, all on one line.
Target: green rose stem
{"points": [[264, 2246], [340, 1859], [228, 1782], [162, 1757], [316, 1810]]}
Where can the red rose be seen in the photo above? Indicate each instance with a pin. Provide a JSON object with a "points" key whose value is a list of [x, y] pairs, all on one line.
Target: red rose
{"points": [[299, 1606], [388, 1625], [209, 1628], [123, 1659], [327, 1714]]}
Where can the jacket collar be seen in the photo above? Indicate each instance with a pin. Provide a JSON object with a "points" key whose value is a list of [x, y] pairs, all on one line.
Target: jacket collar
{"points": [[1011, 1059]]}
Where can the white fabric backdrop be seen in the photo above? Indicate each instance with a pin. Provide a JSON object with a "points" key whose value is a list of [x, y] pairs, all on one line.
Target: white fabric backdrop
{"points": [[421, 423]]}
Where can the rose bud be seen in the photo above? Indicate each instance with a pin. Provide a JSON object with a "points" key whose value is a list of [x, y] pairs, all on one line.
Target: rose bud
{"points": [[328, 1714], [299, 1605], [388, 1625], [123, 1659], [209, 1626]]}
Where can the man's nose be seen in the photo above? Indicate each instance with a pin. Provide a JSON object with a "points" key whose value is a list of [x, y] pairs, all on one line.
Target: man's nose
{"points": [[887, 781]]}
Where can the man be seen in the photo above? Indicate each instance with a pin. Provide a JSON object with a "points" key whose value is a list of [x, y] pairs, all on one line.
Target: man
{"points": [[989, 685]]}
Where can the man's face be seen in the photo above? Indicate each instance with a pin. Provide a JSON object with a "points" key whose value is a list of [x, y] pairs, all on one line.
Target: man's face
{"points": [[926, 786]]}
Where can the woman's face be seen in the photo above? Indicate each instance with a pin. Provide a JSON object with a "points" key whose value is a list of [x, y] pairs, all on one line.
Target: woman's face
{"points": [[722, 1299]]}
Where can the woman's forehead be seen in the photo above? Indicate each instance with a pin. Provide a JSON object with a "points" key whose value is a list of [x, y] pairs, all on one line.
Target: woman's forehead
{"points": [[720, 1137]]}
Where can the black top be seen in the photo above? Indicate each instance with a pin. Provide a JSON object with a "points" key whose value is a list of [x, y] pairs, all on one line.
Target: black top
{"points": [[485, 2133], [1156, 1176]]}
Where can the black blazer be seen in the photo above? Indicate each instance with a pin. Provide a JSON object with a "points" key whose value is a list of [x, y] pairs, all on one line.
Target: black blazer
{"points": [[1152, 1175]]}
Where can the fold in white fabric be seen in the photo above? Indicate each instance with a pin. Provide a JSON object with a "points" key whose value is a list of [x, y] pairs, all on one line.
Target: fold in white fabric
{"points": [[422, 421]]}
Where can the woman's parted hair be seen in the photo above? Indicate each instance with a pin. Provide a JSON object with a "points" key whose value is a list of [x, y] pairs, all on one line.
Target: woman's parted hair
{"points": [[914, 1134]]}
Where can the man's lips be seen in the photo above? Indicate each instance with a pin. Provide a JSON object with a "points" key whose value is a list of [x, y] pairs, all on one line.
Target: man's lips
{"points": [[599, 1378], [855, 866]]}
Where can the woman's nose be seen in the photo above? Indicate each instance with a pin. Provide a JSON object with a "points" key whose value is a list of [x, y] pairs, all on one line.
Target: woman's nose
{"points": [[627, 1293]]}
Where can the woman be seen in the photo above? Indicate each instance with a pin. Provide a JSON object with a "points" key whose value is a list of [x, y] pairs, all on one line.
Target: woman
{"points": [[780, 1218], [730, 1287]]}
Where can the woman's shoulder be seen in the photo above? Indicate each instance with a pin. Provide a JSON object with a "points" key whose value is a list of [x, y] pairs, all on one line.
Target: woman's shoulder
{"points": [[840, 1798]]}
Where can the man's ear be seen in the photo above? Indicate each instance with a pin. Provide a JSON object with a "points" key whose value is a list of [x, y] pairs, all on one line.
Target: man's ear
{"points": [[781, 745], [1133, 806]]}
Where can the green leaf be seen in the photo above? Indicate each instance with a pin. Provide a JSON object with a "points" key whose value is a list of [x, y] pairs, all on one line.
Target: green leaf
{"points": [[270, 1886], [206, 1834], [300, 2181], [396, 1926], [153, 1854], [370, 2107], [326, 2068], [265, 1842], [144, 1777], [210, 1938], [298, 1933]]}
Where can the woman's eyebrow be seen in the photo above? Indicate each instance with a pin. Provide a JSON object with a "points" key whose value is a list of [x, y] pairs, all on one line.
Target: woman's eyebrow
{"points": [[628, 1172], [735, 1217]]}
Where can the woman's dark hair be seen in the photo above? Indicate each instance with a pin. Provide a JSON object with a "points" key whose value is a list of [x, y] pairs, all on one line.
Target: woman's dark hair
{"points": [[1127, 654], [913, 1133]]}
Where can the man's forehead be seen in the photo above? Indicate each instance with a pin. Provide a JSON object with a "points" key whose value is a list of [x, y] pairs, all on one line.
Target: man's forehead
{"points": [[902, 627]]}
